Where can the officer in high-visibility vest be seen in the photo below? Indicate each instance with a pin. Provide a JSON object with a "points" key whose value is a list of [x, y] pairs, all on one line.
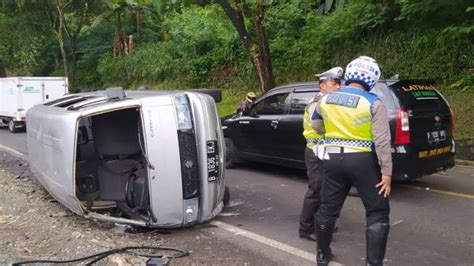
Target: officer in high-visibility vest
{"points": [[356, 152], [329, 81]]}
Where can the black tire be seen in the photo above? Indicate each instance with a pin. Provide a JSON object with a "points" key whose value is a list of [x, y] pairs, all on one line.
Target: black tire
{"points": [[216, 94], [11, 126], [5, 121], [231, 155], [226, 195]]}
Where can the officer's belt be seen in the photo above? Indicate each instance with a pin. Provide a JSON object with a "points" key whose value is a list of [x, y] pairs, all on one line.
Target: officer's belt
{"points": [[348, 142], [313, 140], [341, 150]]}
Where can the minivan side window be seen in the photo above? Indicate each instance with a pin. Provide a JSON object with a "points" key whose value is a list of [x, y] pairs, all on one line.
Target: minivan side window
{"points": [[272, 105], [299, 100]]}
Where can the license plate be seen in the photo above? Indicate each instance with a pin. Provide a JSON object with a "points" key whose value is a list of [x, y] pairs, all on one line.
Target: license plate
{"points": [[436, 136], [212, 161]]}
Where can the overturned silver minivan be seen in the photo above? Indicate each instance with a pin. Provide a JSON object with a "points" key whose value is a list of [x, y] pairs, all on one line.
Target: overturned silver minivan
{"points": [[145, 158]]}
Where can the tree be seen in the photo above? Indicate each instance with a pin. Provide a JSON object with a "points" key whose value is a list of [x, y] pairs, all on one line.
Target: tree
{"points": [[3, 71], [258, 48], [69, 17], [121, 11]]}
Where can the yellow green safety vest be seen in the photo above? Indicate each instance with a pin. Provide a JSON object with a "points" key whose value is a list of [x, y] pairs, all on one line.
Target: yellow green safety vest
{"points": [[347, 118], [308, 132]]}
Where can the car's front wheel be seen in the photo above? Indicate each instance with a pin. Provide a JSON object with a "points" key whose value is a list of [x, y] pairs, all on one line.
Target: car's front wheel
{"points": [[11, 126], [231, 155]]}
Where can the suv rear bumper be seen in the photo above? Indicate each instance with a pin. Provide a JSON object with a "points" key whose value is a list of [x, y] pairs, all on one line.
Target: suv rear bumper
{"points": [[408, 166]]}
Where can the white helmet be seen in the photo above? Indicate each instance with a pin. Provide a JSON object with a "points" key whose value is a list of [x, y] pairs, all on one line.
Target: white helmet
{"points": [[363, 70]]}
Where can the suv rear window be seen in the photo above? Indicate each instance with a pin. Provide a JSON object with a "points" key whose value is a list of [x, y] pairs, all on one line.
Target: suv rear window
{"points": [[422, 97]]}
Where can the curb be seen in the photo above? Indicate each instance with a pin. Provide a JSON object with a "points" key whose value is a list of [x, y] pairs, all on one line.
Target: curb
{"points": [[13, 152], [464, 162]]}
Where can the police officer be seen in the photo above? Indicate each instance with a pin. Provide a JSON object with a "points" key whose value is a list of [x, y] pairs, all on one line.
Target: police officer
{"points": [[357, 152], [329, 81], [245, 105]]}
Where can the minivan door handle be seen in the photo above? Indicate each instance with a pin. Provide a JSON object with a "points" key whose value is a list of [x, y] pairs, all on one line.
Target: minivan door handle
{"points": [[244, 122], [274, 124]]}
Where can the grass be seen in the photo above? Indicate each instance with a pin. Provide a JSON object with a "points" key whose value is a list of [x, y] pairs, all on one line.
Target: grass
{"points": [[462, 103]]}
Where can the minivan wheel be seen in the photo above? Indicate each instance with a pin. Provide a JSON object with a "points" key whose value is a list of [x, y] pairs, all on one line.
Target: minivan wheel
{"points": [[11, 126], [226, 195], [231, 156]]}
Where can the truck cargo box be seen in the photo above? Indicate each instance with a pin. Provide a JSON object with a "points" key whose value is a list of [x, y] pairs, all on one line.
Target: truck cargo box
{"points": [[18, 94]]}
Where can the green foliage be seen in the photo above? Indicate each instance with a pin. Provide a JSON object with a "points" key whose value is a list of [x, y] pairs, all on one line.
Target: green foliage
{"points": [[21, 41], [191, 43], [200, 41]]}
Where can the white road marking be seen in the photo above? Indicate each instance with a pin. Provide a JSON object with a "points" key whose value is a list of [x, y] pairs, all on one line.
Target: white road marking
{"points": [[397, 222], [225, 214], [12, 151], [234, 203], [270, 242]]}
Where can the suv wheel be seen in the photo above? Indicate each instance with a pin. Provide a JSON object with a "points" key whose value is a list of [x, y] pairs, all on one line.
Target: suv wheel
{"points": [[231, 156]]}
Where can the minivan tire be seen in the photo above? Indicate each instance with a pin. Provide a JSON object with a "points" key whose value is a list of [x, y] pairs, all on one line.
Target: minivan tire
{"points": [[231, 155], [11, 126]]}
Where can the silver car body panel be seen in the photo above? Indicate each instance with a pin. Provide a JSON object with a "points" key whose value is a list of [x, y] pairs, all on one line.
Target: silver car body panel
{"points": [[52, 141]]}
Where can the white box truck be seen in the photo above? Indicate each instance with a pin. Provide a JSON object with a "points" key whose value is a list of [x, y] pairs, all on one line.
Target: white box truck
{"points": [[18, 94]]}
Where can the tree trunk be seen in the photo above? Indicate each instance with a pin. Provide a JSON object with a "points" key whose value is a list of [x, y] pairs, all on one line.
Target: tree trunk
{"points": [[72, 37], [265, 57], [59, 35], [259, 52], [3, 71], [120, 40]]}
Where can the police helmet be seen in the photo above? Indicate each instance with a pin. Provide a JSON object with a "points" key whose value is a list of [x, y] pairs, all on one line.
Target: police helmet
{"points": [[363, 70], [251, 96]]}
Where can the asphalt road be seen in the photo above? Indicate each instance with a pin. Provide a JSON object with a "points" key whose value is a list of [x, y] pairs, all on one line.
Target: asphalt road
{"points": [[431, 218]]}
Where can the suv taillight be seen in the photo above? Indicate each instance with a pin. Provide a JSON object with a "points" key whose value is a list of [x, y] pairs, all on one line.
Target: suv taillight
{"points": [[402, 128], [452, 122]]}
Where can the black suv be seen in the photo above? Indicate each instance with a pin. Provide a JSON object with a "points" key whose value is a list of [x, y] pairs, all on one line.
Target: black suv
{"points": [[421, 122]]}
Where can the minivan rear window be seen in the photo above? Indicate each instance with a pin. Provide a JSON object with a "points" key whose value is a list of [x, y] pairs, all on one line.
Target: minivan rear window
{"points": [[422, 97]]}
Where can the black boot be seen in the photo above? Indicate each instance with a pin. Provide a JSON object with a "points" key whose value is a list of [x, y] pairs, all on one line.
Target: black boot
{"points": [[324, 235], [377, 235]]}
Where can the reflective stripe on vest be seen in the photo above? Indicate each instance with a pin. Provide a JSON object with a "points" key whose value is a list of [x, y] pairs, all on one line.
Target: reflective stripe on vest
{"points": [[308, 132], [347, 118]]}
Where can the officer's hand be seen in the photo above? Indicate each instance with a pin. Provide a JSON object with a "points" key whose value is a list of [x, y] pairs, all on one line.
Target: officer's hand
{"points": [[385, 185]]}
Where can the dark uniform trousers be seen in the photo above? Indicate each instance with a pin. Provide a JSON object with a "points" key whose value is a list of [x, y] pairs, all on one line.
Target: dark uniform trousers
{"points": [[361, 170], [312, 197], [344, 170]]}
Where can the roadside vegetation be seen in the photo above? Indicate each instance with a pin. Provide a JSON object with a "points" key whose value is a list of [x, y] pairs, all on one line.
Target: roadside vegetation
{"points": [[169, 44]]}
